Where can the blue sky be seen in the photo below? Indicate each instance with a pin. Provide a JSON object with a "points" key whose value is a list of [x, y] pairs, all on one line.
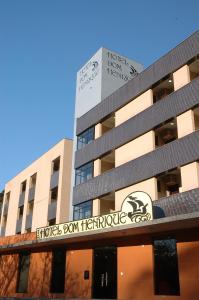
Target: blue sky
{"points": [[43, 43]]}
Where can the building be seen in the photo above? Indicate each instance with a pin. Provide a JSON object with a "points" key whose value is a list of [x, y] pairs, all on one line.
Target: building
{"points": [[39, 195], [134, 233]]}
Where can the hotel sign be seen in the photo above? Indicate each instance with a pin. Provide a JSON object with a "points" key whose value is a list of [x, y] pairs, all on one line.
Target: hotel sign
{"points": [[137, 207]]}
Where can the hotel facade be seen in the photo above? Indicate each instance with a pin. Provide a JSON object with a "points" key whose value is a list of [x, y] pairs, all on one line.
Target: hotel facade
{"points": [[135, 198], [39, 195]]}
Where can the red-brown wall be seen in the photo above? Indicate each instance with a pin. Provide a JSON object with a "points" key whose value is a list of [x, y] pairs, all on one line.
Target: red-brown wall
{"points": [[8, 274], [135, 273], [77, 262], [39, 274]]}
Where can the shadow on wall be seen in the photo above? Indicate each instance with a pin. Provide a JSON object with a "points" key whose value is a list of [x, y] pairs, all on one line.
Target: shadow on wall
{"points": [[40, 274], [8, 274], [75, 284]]}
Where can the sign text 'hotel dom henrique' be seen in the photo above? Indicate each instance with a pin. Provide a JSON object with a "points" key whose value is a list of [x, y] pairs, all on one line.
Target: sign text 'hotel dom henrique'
{"points": [[102, 75], [137, 207]]}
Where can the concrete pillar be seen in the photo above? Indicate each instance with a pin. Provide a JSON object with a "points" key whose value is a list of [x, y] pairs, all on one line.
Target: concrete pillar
{"points": [[185, 123], [181, 77], [96, 207], [190, 176]]}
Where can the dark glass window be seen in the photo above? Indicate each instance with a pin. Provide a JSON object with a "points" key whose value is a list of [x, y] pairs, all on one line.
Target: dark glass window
{"points": [[85, 138], [83, 210], [84, 173], [23, 271], [56, 165], [166, 267], [52, 222], [58, 271], [23, 187]]}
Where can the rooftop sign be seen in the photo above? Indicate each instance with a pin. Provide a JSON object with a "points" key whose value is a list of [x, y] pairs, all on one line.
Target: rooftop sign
{"points": [[103, 74], [137, 207]]}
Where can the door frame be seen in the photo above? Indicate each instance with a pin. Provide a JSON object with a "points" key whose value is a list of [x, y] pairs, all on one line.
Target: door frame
{"points": [[114, 247]]}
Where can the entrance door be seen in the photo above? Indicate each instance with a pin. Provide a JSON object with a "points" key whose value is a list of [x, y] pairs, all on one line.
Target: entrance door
{"points": [[105, 273]]}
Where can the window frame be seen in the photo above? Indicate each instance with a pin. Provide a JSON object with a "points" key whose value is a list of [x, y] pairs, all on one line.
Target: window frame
{"points": [[85, 138], [81, 174], [81, 206]]}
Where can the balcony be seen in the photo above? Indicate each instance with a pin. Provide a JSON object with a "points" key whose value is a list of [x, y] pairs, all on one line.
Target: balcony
{"points": [[31, 194], [166, 133], [163, 88], [18, 225], [52, 209], [54, 179], [21, 199], [107, 204], [28, 221], [169, 183]]}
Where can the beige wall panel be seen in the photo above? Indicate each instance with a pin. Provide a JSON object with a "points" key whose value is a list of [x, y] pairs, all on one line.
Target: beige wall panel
{"points": [[190, 176], [134, 107], [97, 167], [181, 77], [96, 207], [185, 123], [135, 148], [98, 130], [148, 186]]}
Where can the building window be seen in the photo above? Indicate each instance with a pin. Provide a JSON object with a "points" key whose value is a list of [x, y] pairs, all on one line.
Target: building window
{"points": [[166, 273], [4, 221], [23, 187], [55, 165], [85, 138], [30, 207], [51, 222], [83, 210], [20, 212], [84, 173], [23, 271], [7, 198], [58, 271], [33, 180], [54, 194]]}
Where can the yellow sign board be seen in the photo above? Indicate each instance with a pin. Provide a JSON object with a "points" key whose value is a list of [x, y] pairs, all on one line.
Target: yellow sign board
{"points": [[137, 207]]}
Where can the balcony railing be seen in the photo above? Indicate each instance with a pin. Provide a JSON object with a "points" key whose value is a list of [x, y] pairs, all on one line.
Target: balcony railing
{"points": [[21, 199], [31, 194], [5, 210], [3, 230], [52, 209], [18, 225], [54, 180], [28, 221]]}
